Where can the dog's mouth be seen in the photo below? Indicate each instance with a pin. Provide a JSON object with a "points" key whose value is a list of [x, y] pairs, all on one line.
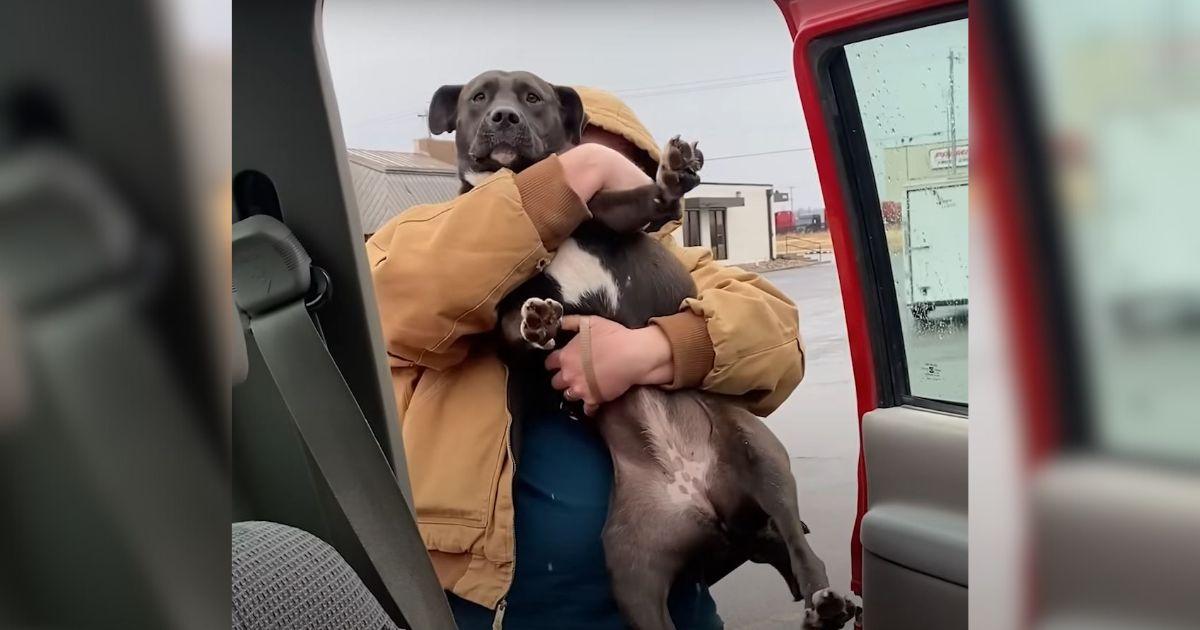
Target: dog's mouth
{"points": [[493, 151], [499, 154], [503, 155]]}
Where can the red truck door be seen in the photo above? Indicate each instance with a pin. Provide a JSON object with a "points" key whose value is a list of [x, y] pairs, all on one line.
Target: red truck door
{"points": [[883, 86]]}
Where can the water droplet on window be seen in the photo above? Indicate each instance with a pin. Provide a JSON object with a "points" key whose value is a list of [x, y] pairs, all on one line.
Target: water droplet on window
{"points": [[550, 567]]}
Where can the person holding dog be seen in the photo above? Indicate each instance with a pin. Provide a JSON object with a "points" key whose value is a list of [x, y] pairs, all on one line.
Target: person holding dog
{"points": [[511, 505]]}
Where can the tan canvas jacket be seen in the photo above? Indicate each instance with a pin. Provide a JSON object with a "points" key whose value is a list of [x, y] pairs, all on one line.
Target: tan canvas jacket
{"points": [[440, 270]]}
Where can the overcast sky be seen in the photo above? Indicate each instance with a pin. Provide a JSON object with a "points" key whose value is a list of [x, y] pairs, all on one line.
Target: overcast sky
{"points": [[718, 71]]}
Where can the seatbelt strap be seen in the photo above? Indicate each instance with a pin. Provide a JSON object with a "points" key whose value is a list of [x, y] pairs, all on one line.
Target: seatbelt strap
{"points": [[271, 276], [336, 434]]}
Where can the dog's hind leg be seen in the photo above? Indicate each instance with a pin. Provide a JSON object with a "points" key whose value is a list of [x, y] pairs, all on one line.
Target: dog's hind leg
{"points": [[641, 563], [646, 545], [783, 543], [641, 582], [763, 471], [807, 571]]}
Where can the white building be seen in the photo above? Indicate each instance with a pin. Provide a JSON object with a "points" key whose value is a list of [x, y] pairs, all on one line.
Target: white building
{"points": [[733, 220]]}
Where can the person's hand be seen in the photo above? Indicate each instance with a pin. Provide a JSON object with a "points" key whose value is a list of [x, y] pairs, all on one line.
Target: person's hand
{"points": [[621, 358], [590, 168]]}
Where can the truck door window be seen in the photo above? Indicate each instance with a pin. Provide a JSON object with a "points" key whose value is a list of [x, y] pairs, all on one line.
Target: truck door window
{"points": [[911, 93]]}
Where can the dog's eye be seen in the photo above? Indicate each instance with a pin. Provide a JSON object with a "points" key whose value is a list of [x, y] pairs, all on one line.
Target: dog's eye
{"points": [[478, 98], [532, 98]]}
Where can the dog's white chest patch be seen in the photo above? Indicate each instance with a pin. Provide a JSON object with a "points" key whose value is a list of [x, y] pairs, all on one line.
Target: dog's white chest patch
{"points": [[579, 273]]}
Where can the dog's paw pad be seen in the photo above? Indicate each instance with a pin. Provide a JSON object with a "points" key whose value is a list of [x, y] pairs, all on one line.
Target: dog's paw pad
{"points": [[679, 169], [830, 610], [539, 322]]}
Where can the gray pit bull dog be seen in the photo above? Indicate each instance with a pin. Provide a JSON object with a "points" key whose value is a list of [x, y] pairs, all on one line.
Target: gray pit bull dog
{"points": [[700, 485], [505, 120]]}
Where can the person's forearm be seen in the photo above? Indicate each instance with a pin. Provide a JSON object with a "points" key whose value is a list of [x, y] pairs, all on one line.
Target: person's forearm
{"points": [[550, 200], [657, 362], [591, 168], [580, 167], [439, 271]]}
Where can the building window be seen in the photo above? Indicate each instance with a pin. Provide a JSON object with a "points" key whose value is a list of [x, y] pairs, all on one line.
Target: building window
{"points": [[718, 234], [691, 229]]}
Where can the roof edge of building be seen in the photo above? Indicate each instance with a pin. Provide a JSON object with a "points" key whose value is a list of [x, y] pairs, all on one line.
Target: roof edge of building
{"points": [[704, 183], [373, 163], [406, 171]]}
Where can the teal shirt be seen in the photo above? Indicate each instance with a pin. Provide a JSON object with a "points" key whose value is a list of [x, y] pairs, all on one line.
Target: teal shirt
{"points": [[563, 481]]}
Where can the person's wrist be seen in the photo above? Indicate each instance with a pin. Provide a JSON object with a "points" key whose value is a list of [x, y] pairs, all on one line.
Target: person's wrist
{"points": [[656, 349]]}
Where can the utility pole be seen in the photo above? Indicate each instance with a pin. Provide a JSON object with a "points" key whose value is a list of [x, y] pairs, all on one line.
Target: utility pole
{"points": [[951, 56]]}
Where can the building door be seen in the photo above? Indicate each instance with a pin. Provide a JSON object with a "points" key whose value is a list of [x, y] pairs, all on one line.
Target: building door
{"points": [[718, 234], [691, 229]]}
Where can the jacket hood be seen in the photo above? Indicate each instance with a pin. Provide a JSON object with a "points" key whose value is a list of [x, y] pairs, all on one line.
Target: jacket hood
{"points": [[606, 111]]}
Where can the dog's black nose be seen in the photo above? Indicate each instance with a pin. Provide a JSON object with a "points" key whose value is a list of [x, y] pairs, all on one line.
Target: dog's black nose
{"points": [[503, 116]]}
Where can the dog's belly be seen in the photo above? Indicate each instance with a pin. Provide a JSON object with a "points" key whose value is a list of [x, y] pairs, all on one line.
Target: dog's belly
{"points": [[661, 452]]}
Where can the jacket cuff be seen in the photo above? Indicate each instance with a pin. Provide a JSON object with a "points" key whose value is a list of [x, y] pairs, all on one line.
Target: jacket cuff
{"points": [[549, 202], [692, 350]]}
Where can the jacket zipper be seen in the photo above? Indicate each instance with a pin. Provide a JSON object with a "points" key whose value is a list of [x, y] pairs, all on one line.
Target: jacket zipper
{"points": [[498, 621]]}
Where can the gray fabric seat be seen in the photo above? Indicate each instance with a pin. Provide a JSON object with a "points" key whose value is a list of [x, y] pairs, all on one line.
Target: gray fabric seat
{"points": [[286, 578]]}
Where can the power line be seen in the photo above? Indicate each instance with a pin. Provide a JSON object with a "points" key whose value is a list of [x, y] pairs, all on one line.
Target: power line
{"points": [[703, 88], [702, 81], [742, 155], [683, 87], [386, 118]]}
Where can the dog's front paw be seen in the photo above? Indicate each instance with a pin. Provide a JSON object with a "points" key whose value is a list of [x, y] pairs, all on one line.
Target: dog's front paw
{"points": [[830, 611], [679, 170], [539, 322]]}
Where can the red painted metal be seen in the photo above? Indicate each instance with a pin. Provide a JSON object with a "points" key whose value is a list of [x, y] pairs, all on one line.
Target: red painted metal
{"points": [[785, 222], [1007, 212], [809, 20]]}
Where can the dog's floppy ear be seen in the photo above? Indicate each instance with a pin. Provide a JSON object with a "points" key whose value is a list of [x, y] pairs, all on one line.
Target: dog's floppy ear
{"points": [[443, 109], [572, 112]]}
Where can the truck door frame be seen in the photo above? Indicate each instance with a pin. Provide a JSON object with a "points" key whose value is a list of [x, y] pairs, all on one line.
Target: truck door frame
{"points": [[853, 163], [880, 375]]}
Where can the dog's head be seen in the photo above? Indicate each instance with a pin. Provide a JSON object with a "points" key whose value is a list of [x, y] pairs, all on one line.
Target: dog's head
{"points": [[506, 120]]}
